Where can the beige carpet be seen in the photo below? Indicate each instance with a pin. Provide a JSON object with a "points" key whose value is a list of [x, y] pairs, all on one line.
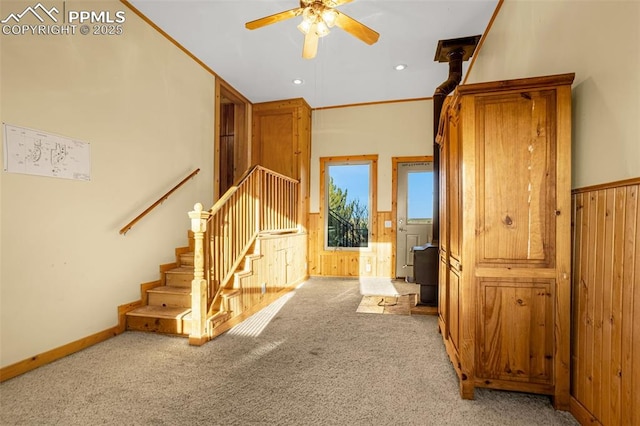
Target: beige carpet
{"points": [[393, 305], [308, 360]]}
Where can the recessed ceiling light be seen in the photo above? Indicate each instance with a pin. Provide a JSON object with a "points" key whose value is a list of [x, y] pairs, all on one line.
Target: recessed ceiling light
{"points": [[400, 67], [297, 81]]}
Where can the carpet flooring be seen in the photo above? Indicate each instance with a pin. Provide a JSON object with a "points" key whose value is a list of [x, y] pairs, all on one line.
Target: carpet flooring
{"points": [[307, 359]]}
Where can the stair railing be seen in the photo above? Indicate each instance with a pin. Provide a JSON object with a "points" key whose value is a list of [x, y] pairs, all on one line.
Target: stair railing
{"points": [[262, 201]]}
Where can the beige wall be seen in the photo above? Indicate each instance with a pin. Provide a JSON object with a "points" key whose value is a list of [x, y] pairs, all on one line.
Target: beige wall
{"points": [[389, 130], [147, 110], [598, 40]]}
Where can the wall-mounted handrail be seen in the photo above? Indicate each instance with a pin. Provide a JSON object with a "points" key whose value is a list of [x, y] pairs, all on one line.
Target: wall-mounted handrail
{"points": [[129, 225]]}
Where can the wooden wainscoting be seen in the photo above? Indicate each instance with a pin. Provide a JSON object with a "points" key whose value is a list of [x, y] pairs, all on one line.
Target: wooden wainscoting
{"points": [[605, 349], [281, 265], [342, 263], [278, 269]]}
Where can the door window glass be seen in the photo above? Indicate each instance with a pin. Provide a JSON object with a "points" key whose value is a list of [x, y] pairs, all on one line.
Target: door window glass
{"points": [[419, 197]]}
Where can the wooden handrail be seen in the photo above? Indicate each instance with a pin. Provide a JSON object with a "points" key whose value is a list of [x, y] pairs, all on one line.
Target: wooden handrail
{"points": [[129, 225]]}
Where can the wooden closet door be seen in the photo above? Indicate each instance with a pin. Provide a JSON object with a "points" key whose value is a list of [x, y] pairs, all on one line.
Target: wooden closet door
{"points": [[443, 271], [515, 144], [443, 294], [278, 140], [454, 233]]}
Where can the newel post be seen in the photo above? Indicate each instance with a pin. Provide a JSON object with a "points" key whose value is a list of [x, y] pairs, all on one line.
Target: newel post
{"points": [[198, 335]]}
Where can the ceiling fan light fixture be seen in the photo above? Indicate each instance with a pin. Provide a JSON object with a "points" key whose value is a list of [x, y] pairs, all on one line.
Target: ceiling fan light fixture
{"points": [[322, 29], [329, 17], [308, 14], [317, 17], [305, 26]]}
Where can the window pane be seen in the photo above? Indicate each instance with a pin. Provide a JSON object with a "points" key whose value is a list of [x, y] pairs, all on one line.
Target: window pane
{"points": [[420, 197], [348, 208]]}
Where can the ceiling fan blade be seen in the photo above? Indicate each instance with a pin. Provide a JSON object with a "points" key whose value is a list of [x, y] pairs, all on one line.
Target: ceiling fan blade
{"points": [[310, 45], [272, 19], [356, 29]]}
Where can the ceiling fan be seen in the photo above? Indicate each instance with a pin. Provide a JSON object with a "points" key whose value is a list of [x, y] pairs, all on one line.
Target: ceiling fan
{"points": [[317, 17]]}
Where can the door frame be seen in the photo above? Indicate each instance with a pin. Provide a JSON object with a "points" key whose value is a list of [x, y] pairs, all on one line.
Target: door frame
{"points": [[242, 114], [394, 201]]}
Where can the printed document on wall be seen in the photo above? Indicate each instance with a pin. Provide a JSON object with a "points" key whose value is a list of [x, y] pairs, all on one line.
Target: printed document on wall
{"points": [[36, 152]]}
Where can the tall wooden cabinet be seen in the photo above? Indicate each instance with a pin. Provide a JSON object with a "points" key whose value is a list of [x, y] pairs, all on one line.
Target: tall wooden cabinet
{"points": [[281, 141], [505, 256]]}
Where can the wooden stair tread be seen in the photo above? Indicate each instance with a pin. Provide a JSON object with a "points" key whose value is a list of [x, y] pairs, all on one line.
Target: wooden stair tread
{"points": [[217, 315], [166, 289], [180, 270], [245, 273], [160, 312]]}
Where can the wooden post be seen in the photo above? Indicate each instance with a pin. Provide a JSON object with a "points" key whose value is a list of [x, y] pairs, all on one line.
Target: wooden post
{"points": [[198, 335]]}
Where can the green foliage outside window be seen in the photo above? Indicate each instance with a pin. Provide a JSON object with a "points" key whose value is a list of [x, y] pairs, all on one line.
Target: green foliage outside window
{"points": [[348, 220]]}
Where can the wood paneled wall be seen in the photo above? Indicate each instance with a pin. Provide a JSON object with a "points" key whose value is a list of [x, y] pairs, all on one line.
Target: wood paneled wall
{"points": [[606, 304], [343, 263], [281, 264]]}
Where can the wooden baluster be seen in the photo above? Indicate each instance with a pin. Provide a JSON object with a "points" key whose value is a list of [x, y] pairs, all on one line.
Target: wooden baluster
{"points": [[258, 199], [198, 334], [254, 209]]}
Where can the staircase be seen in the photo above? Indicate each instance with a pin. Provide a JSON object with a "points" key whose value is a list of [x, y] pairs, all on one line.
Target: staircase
{"points": [[167, 302], [242, 254]]}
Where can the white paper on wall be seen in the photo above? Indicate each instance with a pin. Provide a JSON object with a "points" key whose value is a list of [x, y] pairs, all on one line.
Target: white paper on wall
{"points": [[36, 152]]}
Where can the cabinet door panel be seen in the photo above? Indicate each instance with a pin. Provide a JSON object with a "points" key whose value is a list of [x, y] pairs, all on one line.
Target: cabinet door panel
{"points": [[454, 308], [443, 294], [454, 201], [516, 146], [515, 331], [444, 209], [277, 144]]}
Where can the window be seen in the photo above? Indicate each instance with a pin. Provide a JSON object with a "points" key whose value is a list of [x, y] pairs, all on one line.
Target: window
{"points": [[348, 202]]}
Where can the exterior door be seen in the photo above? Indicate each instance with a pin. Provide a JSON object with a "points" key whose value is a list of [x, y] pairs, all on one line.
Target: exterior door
{"points": [[414, 212]]}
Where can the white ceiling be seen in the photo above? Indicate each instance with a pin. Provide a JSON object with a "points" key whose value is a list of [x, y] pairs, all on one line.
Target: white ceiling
{"points": [[262, 63]]}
